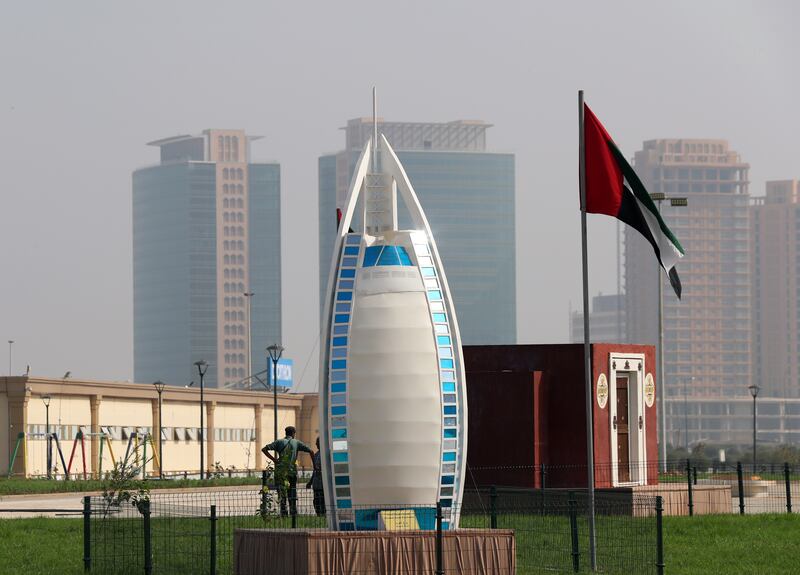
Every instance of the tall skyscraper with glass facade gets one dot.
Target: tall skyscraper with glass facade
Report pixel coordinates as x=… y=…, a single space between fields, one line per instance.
x=707 y=335
x=206 y=231
x=467 y=193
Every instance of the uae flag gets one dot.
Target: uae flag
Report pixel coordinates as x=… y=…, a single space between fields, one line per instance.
x=614 y=189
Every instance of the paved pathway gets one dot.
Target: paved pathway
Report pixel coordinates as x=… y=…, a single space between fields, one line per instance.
x=241 y=500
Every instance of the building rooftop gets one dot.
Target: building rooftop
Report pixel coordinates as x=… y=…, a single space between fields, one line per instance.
x=457 y=135
x=692 y=151
x=199 y=147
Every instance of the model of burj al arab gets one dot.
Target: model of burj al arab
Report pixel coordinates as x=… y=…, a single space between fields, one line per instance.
x=393 y=412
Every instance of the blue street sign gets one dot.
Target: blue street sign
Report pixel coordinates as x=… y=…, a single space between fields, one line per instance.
x=284 y=372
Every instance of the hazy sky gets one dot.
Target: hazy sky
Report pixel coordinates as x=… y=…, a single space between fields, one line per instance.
x=86 y=84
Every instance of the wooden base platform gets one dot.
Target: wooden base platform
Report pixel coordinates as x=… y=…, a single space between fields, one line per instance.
x=707 y=499
x=322 y=552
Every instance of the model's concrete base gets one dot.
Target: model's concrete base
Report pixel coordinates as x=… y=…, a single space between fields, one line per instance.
x=634 y=500
x=706 y=498
x=322 y=552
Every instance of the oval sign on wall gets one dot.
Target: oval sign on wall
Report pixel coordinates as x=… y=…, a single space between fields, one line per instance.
x=649 y=390
x=602 y=391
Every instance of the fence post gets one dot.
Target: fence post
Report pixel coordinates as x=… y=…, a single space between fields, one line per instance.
x=543 y=472
x=694 y=474
x=788 y=487
x=659 y=535
x=740 y=480
x=148 y=544
x=573 y=529
x=293 y=506
x=493 y=506
x=689 y=486
x=263 y=507
x=87 y=533
x=439 y=554
x=213 y=569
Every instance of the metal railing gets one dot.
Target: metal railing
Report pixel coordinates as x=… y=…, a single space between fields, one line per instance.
x=518 y=529
x=688 y=487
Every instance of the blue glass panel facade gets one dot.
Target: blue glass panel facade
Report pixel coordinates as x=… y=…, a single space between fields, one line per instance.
x=371 y=255
x=383 y=255
x=389 y=257
x=174 y=271
x=265 y=257
x=326 y=170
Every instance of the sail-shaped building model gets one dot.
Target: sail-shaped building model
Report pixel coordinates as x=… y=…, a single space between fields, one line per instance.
x=393 y=411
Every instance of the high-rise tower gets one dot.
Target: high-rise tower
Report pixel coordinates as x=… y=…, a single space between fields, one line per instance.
x=206 y=230
x=707 y=335
x=776 y=289
x=468 y=194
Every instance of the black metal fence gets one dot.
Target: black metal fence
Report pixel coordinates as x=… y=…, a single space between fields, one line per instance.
x=688 y=487
x=743 y=488
x=193 y=532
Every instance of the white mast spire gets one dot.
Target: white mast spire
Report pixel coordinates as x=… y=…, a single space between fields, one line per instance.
x=374 y=129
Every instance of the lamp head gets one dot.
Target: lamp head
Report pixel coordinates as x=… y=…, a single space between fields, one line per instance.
x=275 y=351
x=46 y=400
x=202 y=366
x=754 y=389
x=159 y=385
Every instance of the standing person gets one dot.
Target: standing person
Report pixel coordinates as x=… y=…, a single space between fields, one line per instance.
x=286 y=467
x=316 y=483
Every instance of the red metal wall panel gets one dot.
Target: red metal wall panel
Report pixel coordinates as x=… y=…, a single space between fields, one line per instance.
x=503 y=446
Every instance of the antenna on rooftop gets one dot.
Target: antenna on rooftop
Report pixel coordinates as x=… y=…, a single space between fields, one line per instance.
x=374 y=129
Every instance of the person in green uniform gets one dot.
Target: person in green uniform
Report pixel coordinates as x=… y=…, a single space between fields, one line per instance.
x=285 y=462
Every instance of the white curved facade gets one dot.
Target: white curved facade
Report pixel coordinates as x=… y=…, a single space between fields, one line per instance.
x=393 y=403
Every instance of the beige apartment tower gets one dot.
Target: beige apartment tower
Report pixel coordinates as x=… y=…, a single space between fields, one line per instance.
x=776 y=281
x=707 y=335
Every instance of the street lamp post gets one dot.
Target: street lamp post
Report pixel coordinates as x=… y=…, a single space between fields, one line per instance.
x=159 y=385
x=248 y=295
x=662 y=411
x=685 y=418
x=46 y=401
x=202 y=367
x=275 y=351
x=754 y=389
x=10 y=343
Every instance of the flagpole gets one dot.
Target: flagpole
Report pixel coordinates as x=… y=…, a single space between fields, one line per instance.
x=587 y=362
x=661 y=411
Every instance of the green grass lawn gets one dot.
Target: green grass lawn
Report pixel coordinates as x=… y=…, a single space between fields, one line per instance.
x=728 y=544
x=732 y=544
x=41 y=546
x=18 y=486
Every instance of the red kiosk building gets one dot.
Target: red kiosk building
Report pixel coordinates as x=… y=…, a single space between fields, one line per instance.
x=527 y=415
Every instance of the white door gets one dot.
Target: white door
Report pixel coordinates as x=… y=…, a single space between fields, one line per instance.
x=626 y=404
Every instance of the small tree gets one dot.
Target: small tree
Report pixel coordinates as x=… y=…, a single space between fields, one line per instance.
x=122 y=486
x=267 y=507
